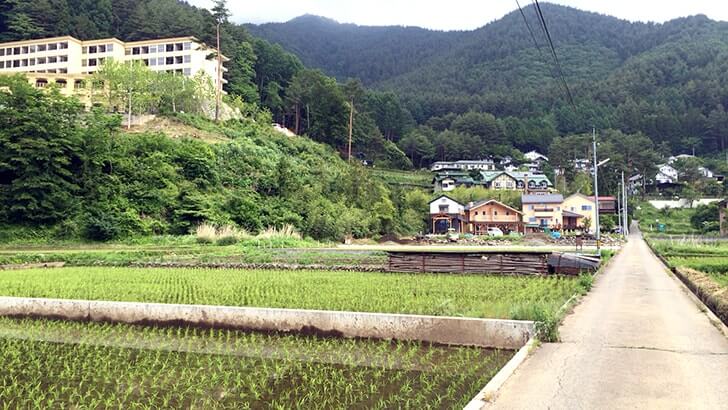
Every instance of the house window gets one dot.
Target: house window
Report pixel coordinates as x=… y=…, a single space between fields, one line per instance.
x=145 y=50
x=63 y=70
x=2 y=52
x=109 y=48
x=92 y=62
x=187 y=59
x=178 y=60
x=52 y=60
x=153 y=62
x=63 y=59
x=532 y=219
x=16 y=63
x=586 y=208
x=84 y=50
x=25 y=49
x=16 y=50
x=508 y=213
x=188 y=46
x=476 y=213
x=179 y=47
x=169 y=48
x=187 y=72
x=84 y=62
x=160 y=61
x=2 y=64
x=24 y=62
x=495 y=213
x=136 y=51
x=41 y=60
x=52 y=47
x=63 y=45
x=41 y=48
x=152 y=49
x=444 y=209
x=102 y=48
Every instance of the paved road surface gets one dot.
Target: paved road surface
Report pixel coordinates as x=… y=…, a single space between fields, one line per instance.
x=637 y=341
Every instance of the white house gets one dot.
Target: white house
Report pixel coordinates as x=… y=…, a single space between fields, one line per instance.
x=534 y=156
x=666 y=174
x=445 y=214
x=465 y=165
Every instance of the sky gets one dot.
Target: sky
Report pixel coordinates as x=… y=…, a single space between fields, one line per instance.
x=455 y=14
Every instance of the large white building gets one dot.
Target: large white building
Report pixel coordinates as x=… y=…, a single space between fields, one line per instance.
x=67 y=61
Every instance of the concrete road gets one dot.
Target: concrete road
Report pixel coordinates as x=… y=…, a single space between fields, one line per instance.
x=637 y=341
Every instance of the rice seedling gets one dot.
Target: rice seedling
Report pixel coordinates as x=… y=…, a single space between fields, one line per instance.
x=431 y=294
x=78 y=365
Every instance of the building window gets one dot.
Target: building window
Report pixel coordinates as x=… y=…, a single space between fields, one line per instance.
x=41 y=60
x=42 y=47
x=153 y=62
x=178 y=60
x=109 y=48
x=187 y=71
x=79 y=84
x=84 y=50
x=25 y=50
x=444 y=209
x=136 y=51
x=63 y=45
x=152 y=49
x=187 y=59
x=16 y=63
x=84 y=63
x=102 y=48
x=41 y=83
x=92 y=62
x=24 y=62
x=170 y=60
x=2 y=52
x=101 y=60
x=169 y=48
x=127 y=52
x=52 y=60
x=52 y=47
x=62 y=83
x=586 y=208
x=179 y=47
x=145 y=50
x=531 y=207
x=532 y=219
x=145 y=62
x=2 y=64
x=188 y=46
x=160 y=61
x=63 y=59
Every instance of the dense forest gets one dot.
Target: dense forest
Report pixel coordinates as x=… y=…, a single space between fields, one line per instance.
x=668 y=81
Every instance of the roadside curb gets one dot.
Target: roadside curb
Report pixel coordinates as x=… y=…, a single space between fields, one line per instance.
x=486 y=396
x=687 y=287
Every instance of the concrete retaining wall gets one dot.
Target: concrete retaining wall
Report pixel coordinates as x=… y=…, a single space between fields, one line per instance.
x=493 y=333
x=682 y=203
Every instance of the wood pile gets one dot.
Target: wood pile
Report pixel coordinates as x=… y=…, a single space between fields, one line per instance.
x=532 y=263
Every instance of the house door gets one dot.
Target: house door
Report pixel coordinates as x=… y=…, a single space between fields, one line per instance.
x=441 y=226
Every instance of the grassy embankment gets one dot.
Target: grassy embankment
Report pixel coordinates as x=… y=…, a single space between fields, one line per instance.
x=676 y=221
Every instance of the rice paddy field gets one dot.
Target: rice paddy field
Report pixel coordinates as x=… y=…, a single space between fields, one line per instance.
x=507 y=297
x=708 y=257
x=54 y=364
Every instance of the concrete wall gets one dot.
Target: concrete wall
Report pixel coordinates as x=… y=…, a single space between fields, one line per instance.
x=682 y=203
x=493 y=333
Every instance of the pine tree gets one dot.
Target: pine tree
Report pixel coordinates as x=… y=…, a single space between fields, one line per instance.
x=220 y=11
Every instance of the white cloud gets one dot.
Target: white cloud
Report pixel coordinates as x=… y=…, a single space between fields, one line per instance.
x=454 y=14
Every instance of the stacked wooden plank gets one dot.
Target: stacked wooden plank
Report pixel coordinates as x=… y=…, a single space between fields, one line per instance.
x=533 y=263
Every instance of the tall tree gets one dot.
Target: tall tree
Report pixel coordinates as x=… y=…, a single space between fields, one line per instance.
x=353 y=90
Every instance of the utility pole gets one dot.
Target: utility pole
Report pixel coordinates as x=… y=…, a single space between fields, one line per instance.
x=218 y=93
x=619 y=209
x=596 y=186
x=351 y=125
x=624 y=207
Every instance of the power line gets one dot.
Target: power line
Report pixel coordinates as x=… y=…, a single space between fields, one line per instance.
x=530 y=30
x=545 y=28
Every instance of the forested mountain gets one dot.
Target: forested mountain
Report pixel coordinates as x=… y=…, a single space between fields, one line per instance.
x=668 y=80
